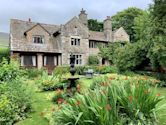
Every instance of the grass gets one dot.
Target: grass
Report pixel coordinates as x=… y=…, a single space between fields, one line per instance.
x=162 y=112
x=42 y=102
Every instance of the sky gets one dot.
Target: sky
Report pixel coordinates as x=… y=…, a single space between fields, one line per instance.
x=61 y=11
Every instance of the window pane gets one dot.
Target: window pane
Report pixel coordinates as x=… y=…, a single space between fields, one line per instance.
x=38 y=39
x=50 y=61
x=28 y=61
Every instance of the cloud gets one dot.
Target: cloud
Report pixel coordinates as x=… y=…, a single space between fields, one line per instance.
x=60 y=11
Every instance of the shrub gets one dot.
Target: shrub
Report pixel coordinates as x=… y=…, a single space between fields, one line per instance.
x=157 y=53
x=4 y=53
x=93 y=60
x=61 y=96
x=33 y=72
x=131 y=56
x=80 y=69
x=15 y=102
x=61 y=70
x=47 y=82
x=106 y=69
x=9 y=71
x=111 y=103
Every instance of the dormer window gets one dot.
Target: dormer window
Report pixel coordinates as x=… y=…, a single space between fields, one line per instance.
x=75 y=41
x=38 y=39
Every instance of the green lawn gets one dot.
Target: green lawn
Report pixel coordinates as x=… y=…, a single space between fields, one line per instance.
x=162 y=113
x=42 y=102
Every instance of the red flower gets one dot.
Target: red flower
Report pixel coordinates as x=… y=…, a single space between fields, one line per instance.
x=78 y=88
x=126 y=78
x=60 y=101
x=65 y=102
x=158 y=94
x=145 y=77
x=155 y=81
x=104 y=84
x=108 y=107
x=78 y=102
x=111 y=78
x=130 y=98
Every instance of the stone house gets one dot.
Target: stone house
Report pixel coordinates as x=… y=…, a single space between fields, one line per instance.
x=45 y=45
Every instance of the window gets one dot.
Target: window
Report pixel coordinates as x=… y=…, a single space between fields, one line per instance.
x=38 y=39
x=28 y=60
x=75 y=41
x=50 y=60
x=92 y=44
x=78 y=59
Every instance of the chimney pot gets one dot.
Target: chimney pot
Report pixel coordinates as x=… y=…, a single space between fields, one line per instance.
x=29 y=19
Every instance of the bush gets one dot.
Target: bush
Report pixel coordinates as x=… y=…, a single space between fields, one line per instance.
x=157 y=53
x=131 y=56
x=106 y=69
x=47 y=82
x=61 y=70
x=112 y=102
x=4 y=53
x=15 y=102
x=61 y=96
x=9 y=71
x=80 y=70
x=93 y=60
x=33 y=72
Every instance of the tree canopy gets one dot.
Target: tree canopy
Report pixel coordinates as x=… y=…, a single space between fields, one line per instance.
x=125 y=19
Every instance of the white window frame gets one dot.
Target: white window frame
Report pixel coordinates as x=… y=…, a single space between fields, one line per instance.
x=38 y=36
x=75 y=41
x=78 y=59
x=34 y=62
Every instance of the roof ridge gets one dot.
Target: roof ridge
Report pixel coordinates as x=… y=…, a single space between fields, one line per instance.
x=34 y=22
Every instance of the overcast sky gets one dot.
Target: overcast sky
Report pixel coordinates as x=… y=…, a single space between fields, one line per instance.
x=60 y=11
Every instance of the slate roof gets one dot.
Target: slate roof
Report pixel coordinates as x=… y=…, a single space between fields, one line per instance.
x=98 y=36
x=18 y=41
x=20 y=27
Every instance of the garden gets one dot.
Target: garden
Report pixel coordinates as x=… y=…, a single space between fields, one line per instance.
x=31 y=96
x=129 y=91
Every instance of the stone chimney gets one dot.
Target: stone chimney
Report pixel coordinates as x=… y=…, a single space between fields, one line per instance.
x=108 y=28
x=83 y=17
x=29 y=19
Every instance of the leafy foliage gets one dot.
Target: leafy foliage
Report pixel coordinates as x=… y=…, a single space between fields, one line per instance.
x=94 y=25
x=125 y=19
x=157 y=53
x=9 y=71
x=142 y=26
x=33 y=72
x=15 y=102
x=4 y=53
x=93 y=60
x=131 y=56
x=110 y=103
x=108 y=53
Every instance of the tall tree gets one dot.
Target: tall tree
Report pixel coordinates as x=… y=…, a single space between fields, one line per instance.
x=95 y=25
x=125 y=19
x=142 y=27
x=157 y=52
